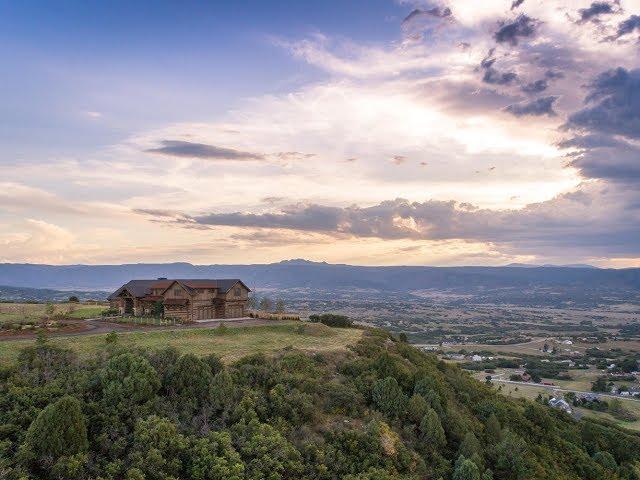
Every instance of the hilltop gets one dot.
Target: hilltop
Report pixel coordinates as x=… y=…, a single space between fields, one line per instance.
x=378 y=409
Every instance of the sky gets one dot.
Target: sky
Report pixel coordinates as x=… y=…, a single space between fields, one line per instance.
x=362 y=132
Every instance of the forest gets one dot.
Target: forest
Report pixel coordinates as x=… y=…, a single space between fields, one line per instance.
x=379 y=410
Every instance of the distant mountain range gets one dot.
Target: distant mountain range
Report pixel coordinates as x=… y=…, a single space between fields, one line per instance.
x=548 y=265
x=300 y=273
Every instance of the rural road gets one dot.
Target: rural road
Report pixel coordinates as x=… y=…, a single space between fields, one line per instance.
x=93 y=326
x=560 y=389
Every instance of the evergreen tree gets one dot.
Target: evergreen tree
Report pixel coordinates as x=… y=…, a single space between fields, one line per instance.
x=60 y=429
x=466 y=470
x=190 y=379
x=214 y=362
x=470 y=446
x=431 y=429
x=511 y=457
x=487 y=475
x=493 y=430
x=128 y=379
x=606 y=460
x=388 y=397
x=417 y=408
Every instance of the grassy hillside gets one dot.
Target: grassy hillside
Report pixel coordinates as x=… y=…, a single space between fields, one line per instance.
x=230 y=343
x=377 y=410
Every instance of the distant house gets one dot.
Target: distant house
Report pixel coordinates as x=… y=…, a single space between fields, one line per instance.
x=187 y=300
x=561 y=403
x=454 y=356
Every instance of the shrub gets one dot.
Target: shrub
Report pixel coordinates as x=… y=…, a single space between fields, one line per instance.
x=332 y=320
x=60 y=429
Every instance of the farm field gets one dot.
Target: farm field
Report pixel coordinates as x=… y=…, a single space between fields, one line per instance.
x=232 y=343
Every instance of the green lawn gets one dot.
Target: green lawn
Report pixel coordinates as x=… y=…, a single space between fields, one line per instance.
x=235 y=343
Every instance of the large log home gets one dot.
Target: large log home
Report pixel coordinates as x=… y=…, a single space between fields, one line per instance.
x=187 y=300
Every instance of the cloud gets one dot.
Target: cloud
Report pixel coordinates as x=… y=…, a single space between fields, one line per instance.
x=293 y=156
x=539 y=106
x=36 y=240
x=614 y=101
x=604 y=157
x=594 y=10
x=553 y=75
x=272 y=199
x=535 y=87
x=364 y=61
x=511 y=32
x=492 y=75
x=277 y=238
x=184 y=149
x=628 y=26
x=16 y=196
x=593 y=217
x=438 y=12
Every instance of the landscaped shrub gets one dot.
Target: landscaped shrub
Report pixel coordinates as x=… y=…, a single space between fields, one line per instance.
x=332 y=320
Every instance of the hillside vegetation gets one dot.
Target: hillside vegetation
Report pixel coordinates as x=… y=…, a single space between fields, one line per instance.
x=379 y=410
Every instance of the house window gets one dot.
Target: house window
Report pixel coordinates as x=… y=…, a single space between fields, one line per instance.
x=176 y=292
x=237 y=292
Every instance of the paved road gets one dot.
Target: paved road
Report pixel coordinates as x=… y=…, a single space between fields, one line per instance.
x=560 y=389
x=93 y=326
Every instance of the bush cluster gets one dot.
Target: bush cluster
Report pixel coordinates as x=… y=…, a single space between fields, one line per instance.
x=332 y=320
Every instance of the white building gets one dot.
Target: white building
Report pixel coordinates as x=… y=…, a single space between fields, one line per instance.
x=561 y=403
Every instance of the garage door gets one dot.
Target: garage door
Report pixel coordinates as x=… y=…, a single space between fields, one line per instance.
x=204 y=313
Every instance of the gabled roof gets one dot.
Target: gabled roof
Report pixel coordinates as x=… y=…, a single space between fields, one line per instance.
x=137 y=288
x=141 y=288
x=227 y=284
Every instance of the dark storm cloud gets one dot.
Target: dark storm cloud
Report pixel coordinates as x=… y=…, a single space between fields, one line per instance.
x=604 y=157
x=594 y=10
x=535 y=87
x=591 y=141
x=511 y=32
x=537 y=107
x=495 y=77
x=614 y=105
x=516 y=3
x=180 y=148
x=492 y=75
x=628 y=26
